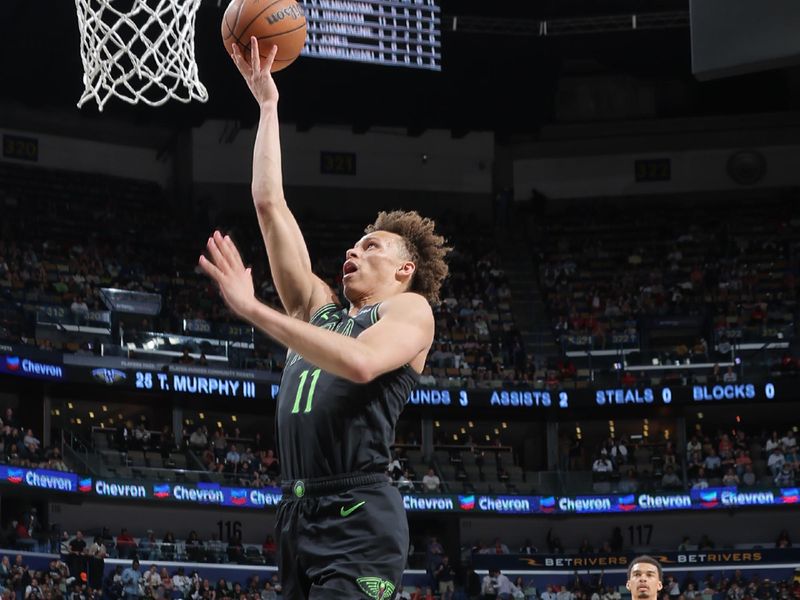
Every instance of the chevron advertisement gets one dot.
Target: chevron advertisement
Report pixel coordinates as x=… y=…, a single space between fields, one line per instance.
x=39 y=478
x=238 y=497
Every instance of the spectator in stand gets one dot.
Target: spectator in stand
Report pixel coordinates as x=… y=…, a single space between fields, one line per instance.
x=181 y=582
x=445 y=577
x=748 y=476
x=628 y=483
x=141 y=435
x=199 y=438
x=269 y=549
x=712 y=464
x=742 y=461
x=497 y=548
x=730 y=478
x=693 y=446
x=729 y=376
x=776 y=461
x=430 y=482
x=77 y=558
x=235 y=548
x=151 y=580
x=185 y=358
x=773 y=442
x=405 y=483
x=126 y=545
x=168 y=546
x=149 y=547
x=220 y=445
x=788 y=441
x=783 y=541
x=394 y=469
x=528 y=547
x=166 y=444
x=619 y=453
x=705 y=543
x=194 y=547
x=548 y=594
x=97 y=560
x=601 y=470
x=700 y=482
x=785 y=476
x=232 y=458
x=670 y=479
x=131 y=580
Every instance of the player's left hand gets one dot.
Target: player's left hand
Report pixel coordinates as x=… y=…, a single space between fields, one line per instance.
x=226 y=268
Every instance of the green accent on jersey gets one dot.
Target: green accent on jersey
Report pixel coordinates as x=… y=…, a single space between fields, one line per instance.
x=346 y=512
x=373 y=314
x=299 y=489
x=314 y=377
x=321 y=311
x=346 y=327
x=376 y=588
x=303 y=376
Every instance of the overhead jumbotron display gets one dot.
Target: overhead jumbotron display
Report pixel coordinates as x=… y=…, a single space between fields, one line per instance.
x=401 y=33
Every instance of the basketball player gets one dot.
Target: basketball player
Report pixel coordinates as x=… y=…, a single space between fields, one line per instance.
x=644 y=578
x=341 y=527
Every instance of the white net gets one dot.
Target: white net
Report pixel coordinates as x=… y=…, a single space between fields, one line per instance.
x=139 y=51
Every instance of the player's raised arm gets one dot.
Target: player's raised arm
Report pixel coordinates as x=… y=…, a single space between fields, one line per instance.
x=300 y=291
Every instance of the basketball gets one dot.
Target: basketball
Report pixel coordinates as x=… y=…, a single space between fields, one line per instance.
x=279 y=23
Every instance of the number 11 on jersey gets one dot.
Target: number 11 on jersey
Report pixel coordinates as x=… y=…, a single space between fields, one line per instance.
x=303 y=376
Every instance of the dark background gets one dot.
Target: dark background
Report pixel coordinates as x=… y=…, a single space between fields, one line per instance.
x=497 y=72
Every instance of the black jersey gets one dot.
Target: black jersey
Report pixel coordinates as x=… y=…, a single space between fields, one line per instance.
x=326 y=425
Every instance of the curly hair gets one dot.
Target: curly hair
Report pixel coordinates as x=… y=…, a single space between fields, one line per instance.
x=426 y=249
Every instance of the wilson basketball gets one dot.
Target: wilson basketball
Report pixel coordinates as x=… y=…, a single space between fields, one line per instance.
x=279 y=23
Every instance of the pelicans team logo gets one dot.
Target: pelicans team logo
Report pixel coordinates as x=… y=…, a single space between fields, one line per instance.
x=108 y=376
x=627 y=503
x=376 y=588
x=238 y=497
x=14 y=475
x=548 y=504
x=790 y=495
x=85 y=485
x=161 y=491
x=708 y=499
x=466 y=502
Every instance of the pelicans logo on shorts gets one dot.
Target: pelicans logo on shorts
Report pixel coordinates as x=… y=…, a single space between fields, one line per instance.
x=376 y=588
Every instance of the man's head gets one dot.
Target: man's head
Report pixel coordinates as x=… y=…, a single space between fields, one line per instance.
x=400 y=252
x=644 y=578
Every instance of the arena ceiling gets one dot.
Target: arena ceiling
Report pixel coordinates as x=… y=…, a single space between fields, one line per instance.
x=498 y=73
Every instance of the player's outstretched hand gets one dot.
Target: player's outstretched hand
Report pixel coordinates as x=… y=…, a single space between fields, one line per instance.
x=226 y=268
x=258 y=75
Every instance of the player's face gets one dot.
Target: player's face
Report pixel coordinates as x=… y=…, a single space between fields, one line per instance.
x=644 y=583
x=376 y=259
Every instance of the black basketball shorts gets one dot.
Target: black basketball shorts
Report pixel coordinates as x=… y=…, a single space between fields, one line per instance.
x=342 y=538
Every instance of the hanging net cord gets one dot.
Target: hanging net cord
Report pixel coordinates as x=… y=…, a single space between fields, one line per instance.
x=142 y=54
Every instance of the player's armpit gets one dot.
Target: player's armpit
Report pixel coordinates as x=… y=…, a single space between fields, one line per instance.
x=404 y=330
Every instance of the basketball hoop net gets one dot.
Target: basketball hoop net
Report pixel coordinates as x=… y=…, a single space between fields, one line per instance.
x=140 y=52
